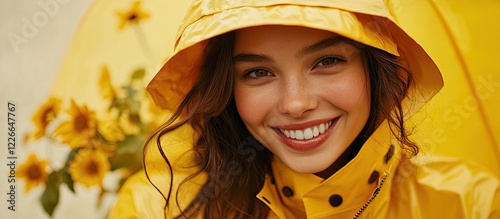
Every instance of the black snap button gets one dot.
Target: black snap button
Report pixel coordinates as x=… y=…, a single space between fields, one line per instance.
x=287 y=191
x=373 y=177
x=335 y=200
x=389 y=154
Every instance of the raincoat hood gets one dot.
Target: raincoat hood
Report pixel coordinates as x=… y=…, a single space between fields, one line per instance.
x=367 y=22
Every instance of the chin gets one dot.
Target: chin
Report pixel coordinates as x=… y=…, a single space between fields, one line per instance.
x=307 y=166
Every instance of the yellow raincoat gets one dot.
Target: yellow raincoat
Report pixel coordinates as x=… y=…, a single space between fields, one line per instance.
x=377 y=183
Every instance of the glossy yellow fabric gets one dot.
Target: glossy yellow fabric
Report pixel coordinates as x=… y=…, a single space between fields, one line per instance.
x=425 y=187
x=462 y=38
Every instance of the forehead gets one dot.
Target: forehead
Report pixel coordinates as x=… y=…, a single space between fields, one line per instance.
x=262 y=37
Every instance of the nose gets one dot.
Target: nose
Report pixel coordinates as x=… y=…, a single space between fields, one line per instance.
x=297 y=97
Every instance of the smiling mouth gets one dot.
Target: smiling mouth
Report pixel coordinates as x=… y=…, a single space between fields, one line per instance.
x=308 y=133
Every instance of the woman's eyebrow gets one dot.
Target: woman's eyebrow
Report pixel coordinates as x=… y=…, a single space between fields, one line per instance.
x=320 y=45
x=251 y=57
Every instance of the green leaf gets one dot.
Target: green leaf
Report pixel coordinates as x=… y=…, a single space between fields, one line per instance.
x=131 y=143
x=66 y=179
x=138 y=74
x=50 y=196
x=128 y=153
x=63 y=175
x=70 y=157
x=131 y=91
x=130 y=161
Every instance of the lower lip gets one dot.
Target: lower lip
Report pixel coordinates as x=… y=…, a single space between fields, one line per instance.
x=310 y=144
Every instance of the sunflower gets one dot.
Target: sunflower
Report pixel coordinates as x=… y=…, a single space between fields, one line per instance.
x=47 y=112
x=89 y=167
x=109 y=148
x=105 y=86
x=130 y=123
x=133 y=15
x=33 y=172
x=80 y=129
x=111 y=130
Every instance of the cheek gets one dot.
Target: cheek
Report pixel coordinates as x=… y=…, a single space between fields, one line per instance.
x=252 y=105
x=360 y=91
x=360 y=96
x=351 y=93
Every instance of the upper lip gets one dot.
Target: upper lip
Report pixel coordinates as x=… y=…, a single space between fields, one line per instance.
x=303 y=125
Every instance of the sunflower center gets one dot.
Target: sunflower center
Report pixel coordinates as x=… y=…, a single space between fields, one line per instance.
x=92 y=168
x=132 y=17
x=80 y=123
x=34 y=172
x=134 y=118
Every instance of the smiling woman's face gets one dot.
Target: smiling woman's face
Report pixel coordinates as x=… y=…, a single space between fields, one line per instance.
x=303 y=93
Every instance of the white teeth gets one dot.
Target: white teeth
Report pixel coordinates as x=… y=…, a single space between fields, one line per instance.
x=321 y=128
x=299 y=135
x=315 y=131
x=307 y=133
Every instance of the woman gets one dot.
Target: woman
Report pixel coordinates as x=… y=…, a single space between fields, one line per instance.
x=297 y=110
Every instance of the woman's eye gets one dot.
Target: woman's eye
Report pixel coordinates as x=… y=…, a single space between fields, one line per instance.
x=258 y=73
x=328 y=61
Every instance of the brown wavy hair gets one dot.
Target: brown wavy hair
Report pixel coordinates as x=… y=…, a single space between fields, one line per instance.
x=236 y=164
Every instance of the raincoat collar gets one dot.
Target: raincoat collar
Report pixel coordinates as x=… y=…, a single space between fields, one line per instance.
x=343 y=195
